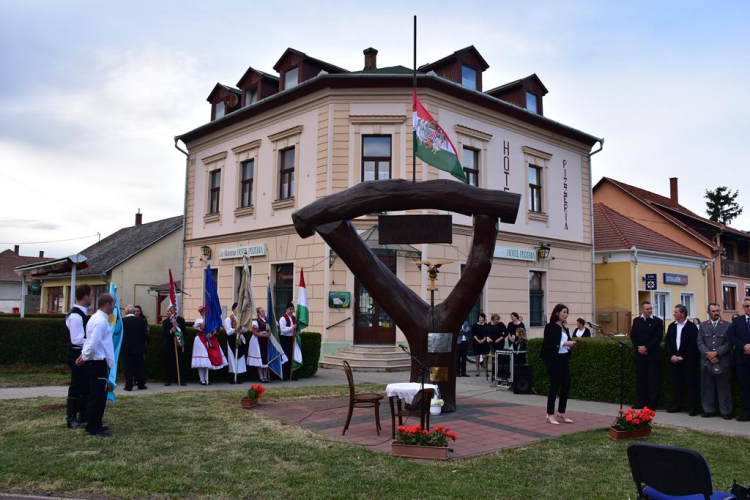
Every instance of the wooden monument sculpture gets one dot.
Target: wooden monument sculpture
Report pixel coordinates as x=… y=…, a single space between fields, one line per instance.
x=430 y=331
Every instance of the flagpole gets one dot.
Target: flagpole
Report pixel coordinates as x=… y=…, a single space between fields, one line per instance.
x=414 y=93
x=177 y=361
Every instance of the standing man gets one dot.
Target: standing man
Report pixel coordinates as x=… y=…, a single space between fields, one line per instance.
x=682 y=350
x=739 y=334
x=134 y=343
x=716 y=360
x=288 y=328
x=98 y=355
x=646 y=335
x=75 y=324
x=173 y=329
x=462 y=349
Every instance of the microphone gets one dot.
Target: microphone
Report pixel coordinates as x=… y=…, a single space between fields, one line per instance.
x=593 y=325
x=404 y=348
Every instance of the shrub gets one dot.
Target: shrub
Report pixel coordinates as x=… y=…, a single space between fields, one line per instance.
x=311 y=342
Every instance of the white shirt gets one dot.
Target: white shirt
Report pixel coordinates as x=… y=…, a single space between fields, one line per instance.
x=579 y=333
x=678 y=339
x=287 y=330
x=228 y=326
x=198 y=325
x=98 y=345
x=74 y=322
x=563 y=348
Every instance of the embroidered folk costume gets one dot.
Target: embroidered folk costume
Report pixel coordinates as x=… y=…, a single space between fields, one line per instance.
x=207 y=355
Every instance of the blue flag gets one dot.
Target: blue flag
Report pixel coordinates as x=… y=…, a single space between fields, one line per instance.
x=115 y=326
x=276 y=356
x=212 y=307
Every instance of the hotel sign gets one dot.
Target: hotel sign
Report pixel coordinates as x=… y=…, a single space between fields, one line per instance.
x=515 y=254
x=238 y=252
x=675 y=279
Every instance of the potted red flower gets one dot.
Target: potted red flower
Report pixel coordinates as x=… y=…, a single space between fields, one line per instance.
x=632 y=423
x=254 y=393
x=415 y=442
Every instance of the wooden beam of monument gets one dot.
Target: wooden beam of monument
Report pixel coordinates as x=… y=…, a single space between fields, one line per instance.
x=399 y=194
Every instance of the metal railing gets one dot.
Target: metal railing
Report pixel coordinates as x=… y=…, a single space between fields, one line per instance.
x=734 y=268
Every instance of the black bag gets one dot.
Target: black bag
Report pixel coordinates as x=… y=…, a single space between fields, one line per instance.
x=740 y=492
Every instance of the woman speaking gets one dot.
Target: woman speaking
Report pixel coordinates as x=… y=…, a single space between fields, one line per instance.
x=556 y=355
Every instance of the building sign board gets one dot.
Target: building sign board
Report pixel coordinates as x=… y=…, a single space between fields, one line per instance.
x=406 y=229
x=238 y=252
x=675 y=279
x=339 y=300
x=515 y=253
x=650 y=280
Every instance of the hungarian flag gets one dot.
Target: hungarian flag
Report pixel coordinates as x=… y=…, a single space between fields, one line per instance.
x=432 y=145
x=302 y=319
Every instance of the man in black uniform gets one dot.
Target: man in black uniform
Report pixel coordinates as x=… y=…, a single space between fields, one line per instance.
x=646 y=335
x=75 y=324
x=173 y=350
x=134 y=342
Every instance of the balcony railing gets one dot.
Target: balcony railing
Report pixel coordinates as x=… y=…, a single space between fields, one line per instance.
x=734 y=268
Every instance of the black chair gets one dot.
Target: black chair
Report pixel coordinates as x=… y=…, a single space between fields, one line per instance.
x=668 y=473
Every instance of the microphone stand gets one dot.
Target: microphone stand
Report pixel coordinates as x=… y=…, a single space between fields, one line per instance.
x=423 y=370
x=623 y=345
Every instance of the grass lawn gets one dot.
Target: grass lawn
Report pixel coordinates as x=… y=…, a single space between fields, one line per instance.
x=202 y=445
x=32 y=376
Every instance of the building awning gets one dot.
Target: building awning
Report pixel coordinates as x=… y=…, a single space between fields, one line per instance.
x=371 y=239
x=64 y=265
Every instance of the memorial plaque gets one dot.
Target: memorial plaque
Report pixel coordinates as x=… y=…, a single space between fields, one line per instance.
x=439 y=342
x=406 y=229
x=439 y=374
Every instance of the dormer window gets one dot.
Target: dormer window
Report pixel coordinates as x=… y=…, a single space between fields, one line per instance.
x=469 y=77
x=220 y=110
x=532 y=102
x=251 y=95
x=291 y=78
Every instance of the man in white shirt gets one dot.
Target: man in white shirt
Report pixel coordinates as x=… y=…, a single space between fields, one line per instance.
x=681 y=343
x=287 y=329
x=98 y=357
x=75 y=324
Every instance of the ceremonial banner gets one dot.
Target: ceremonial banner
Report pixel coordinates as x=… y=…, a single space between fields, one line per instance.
x=276 y=356
x=115 y=326
x=173 y=303
x=432 y=145
x=212 y=305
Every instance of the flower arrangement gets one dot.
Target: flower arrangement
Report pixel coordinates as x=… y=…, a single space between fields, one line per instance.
x=633 y=419
x=437 y=402
x=415 y=435
x=256 y=391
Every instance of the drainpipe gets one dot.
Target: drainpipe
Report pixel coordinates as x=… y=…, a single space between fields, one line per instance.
x=591 y=210
x=184 y=222
x=635 y=280
x=705 y=276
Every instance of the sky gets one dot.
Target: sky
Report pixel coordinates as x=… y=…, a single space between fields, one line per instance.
x=92 y=94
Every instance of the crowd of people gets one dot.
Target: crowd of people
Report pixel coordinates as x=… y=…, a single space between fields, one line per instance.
x=489 y=338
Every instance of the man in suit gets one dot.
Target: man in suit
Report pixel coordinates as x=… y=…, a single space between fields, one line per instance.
x=134 y=342
x=739 y=335
x=716 y=350
x=646 y=335
x=173 y=329
x=682 y=350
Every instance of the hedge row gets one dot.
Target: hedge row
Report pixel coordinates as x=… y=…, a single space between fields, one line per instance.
x=595 y=373
x=38 y=341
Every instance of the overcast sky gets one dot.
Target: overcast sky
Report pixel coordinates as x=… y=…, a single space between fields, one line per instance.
x=93 y=93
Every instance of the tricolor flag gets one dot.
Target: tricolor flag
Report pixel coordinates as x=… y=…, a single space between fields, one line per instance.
x=115 y=326
x=173 y=303
x=302 y=320
x=432 y=145
x=276 y=356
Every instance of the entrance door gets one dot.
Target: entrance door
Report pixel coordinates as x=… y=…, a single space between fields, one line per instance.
x=371 y=323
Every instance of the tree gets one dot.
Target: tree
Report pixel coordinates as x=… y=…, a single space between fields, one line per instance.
x=721 y=205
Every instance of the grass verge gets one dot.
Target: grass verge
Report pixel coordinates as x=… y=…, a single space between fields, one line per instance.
x=33 y=376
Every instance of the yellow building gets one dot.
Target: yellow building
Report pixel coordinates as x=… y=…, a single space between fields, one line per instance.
x=634 y=263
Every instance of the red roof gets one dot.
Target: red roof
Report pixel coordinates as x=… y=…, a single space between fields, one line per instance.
x=10 y=260
x=614 y=231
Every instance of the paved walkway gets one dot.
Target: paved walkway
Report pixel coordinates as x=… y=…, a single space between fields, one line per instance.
x=473 y=387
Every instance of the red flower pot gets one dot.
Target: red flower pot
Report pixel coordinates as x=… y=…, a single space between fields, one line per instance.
x=629 y=434
x=248 y=403
x=421 y=452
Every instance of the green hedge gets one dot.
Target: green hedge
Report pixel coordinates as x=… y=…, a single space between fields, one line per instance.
x=595 y=373
x=37 y=341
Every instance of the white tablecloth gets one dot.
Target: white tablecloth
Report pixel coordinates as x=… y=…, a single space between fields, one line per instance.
x=407 y=390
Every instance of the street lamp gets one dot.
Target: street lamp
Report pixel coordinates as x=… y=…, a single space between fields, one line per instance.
x=543 y=251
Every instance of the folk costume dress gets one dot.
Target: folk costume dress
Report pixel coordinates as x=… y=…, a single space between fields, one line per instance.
x=205 y=356
x=258 y=350
x=233 y=329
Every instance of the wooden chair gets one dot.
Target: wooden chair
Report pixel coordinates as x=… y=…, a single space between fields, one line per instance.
x=361 y=401
x=419 y=407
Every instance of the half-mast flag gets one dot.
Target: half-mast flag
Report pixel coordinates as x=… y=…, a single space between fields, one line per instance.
x=302 y=320
x=432 y=145
x=115 y=326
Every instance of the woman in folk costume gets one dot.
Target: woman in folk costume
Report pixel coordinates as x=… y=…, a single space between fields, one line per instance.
x=207 y=355
x=258 y=350
x=233 y=329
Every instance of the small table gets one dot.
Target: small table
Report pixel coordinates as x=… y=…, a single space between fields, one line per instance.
x=405 y=391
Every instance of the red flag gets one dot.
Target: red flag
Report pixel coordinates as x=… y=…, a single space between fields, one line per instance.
x=172 y=295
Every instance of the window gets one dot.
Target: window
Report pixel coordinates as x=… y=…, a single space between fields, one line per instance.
x=214 y=189
x=532 y=102
x=246 y=183
x=535 y=189
x=536 y=298
x=286 y=173
x=54 y=299
x=251 y=95
x=688 y=300
x=376 y=157
x=291 y=78
x=471 y=166
x=220 y=110
x=469 y=77
x=661 y=305
x=283 y=289
x=730 y=297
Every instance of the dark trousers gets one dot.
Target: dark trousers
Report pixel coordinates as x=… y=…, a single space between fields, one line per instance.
x=462 y=351
x=287 y=344
x=647 y=382
x=558 y=369
x=78 y=392
x=743 y=372
x=713 y=386
x=134 y=371
x=170 y=367
x=98 y=371
x=685 y=384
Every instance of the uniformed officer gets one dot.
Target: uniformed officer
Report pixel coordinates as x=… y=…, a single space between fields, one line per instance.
x=646 y=334
x=716 y=360
x=75 y=324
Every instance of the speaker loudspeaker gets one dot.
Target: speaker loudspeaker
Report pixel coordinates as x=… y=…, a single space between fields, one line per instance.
x=523 y=377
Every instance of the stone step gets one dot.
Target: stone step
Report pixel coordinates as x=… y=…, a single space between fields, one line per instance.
x=358 y=366
x=356 y=354
x=374 y=348
x=375 y=361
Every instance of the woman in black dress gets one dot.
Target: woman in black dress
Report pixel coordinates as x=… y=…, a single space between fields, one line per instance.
x=519 y=347
x=481 y=344
x=515 y=324
x=498 y=334
x=556 y=355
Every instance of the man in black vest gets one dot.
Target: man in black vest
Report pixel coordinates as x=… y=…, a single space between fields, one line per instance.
x=173 y=350
x=681 y=344
x=646 y=335
x=75 y=325
x=134 y=342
